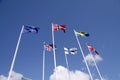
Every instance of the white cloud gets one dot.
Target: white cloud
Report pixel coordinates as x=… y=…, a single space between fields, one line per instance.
x=90 y=61
x=3 y=77
x=62 y=74
x=97 y=79
x=98 y=58
x=102 y=79
x=14 y=76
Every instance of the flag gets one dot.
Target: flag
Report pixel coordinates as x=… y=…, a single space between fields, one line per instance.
x=83 y=34
x=62 y=27
x=70 y=50
x=31 y=29
x=49 y=46
x=92 y=49
x=59 y=27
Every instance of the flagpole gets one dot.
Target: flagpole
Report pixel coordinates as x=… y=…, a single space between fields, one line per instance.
x=15 y=54
x=54 y=54
x=43 y=73
x=96 y=65
x=67 y=66
x=83 y=56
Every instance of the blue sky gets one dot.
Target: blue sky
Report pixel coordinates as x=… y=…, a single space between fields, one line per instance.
x=100 y=18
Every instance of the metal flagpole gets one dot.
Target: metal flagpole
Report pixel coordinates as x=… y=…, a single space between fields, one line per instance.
x=54 y=54
x=43 y=73
x=15 y=54
x=67 y=66
x=95 y=65
x=83 y=56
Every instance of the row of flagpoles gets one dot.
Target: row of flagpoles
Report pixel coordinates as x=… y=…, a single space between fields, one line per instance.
x=56 y=27
x=84 y=34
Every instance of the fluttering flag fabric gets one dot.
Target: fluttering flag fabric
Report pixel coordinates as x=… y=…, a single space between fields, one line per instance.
x=59 y=27
x=83 y=34
x=48 y=47
x=70 y=50
x=92 y=49
x=31 y=29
